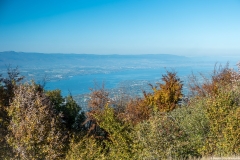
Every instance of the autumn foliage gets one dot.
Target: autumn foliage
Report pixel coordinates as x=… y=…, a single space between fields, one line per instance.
x=161 y=124
x=35 y=130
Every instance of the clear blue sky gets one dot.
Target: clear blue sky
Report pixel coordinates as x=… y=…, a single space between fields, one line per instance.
x=121 y=26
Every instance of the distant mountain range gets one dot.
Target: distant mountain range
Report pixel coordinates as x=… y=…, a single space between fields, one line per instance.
x=37 y=59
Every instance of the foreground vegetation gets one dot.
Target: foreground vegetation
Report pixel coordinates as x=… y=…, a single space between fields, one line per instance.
x=164 y=124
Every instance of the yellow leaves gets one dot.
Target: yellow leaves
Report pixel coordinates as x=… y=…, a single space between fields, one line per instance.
x=168 y=95
x=220 y=110
x=165 y=98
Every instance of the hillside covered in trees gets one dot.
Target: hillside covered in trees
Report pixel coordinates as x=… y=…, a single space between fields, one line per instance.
x=42 y=124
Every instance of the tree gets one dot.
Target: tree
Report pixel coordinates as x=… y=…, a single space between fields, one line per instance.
x=36 y=130
x=136 y=111
x=220 y=77
x=98 y=100
x=167 y=95
x=7 y=86
x=72 y=116
x=219 y=96
x=170 y=93
x=165 y=98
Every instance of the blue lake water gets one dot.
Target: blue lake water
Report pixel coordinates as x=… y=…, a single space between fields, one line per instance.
x=81 y=84
x=77 y=73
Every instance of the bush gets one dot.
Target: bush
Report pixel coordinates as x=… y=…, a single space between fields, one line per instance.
x=85 y=148
x=113 y=143
x=160 y=137
x=194 y=122
x=222 y=110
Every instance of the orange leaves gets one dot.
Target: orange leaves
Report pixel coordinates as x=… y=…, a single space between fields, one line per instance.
x=221 y=76
x=137 y=110
x=165 y=98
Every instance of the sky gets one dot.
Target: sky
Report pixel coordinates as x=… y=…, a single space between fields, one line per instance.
x=181 y=27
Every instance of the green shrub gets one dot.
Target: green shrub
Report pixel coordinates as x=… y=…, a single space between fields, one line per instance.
x=221 y=110
x=160 y=137
x=193 y=120
x=118 y=134
x=113 y=143
x=86 y=148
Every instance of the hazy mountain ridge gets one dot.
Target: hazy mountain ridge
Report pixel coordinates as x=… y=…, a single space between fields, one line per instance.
x=11 y=57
